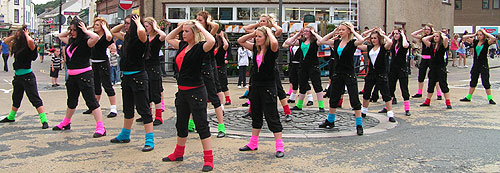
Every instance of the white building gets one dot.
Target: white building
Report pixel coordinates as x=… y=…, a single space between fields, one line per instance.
x=16 y=13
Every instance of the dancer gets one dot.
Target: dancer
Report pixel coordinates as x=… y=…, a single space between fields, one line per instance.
x=263 y=89
x=135 y=83
x=377 y=70
x=437 y=72
x=425 y=62
x=24 y=51
x=309 y=65
x=100 y=65
x=399 y=68
x=79 y=43
x=222 y=48
x=210 y=77
x=343 y=72
x=480 y=64
x=293 y=69
x=192 y=95
x=156 y=38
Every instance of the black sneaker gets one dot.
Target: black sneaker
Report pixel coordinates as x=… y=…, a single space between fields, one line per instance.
x=87 y=112
x=139 y=120
x=245 y=104
x=248 y=115
x=147 y=148
x=417 y=96
x=424 y=104
x=111 y=115
x=440 y=97
x=310 y=103
x=360 y=93
x=391 y=119
x=359 y=130
x=465 y=100
x=243 y=97
x=227 y=103
x=246 y=148
x=327 y=124
x=448 y=107
x=6 y=120
x=207 y=168
x=321 y=110
x=363 y=115
x=98 y=135
x=67 y=127
x=326 y=96
x=279 y=154
x=291 y=101
x=394 y=101
x=288 y=118
x=492 y=102
x=295 y=108
x=384 y=110
x=157 y=122
x=407 y=113
x=374 y=100
x=221 y=134
x=45 y=125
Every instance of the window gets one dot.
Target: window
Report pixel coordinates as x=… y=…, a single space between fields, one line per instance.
x=16 y=2
x=341 y=14
x=16 y=15
x=213 y=11
x=256 y=12
x=486 y=4
x=305 y=11
x=243 y=13
x=446 y=1
x=291 y=14
x=458 y=4
x=193 y=11
x=273 y=11
x=226 y=13
x=177 y=13
x=322 y=14
x=496 y=4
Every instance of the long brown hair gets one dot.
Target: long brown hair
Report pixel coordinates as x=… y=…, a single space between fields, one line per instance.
x=19 y=43
x=263 y=29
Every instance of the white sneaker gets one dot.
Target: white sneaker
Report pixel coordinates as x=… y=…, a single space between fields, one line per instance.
x=246 y=86
x=118 y=83
x=466 y=66
x=239 y=86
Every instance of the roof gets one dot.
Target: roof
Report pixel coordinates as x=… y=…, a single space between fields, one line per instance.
x=55 y=11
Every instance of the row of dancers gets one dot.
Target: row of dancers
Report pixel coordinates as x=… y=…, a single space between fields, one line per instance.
x=201 y=78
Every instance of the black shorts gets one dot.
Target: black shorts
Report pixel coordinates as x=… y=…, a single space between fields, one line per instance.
x=155 y=83
x=25 y=84
x=55 y=73
x=81 y=83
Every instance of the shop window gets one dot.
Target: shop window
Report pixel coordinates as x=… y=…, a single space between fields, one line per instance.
x=291 y=14
x=226 y=13
x=213 y=11
x=243 y=13
x=193 y=11
x=177 y=13
x=256 y=12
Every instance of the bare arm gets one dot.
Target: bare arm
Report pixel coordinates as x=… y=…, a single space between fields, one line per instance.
x=250 y=28
x=224 y=41
x=243 y=41
x=214 y=26
x=209 y=38
x=360 y=38
x=416 y=34
x=405 y=42
x=330 y=38
x=117 y=32
x=466 y=37
x=159 y=31
x=63 y=36
x=141 y=31
x=446 y=40
x=388 y=41
x=93 y=36
x=29 y=40
x=171 y=37
x=292 y=41
x=278 y=28
x=273 y=41
x=491 y=39
x=107 y=33
x=427 y=40
x=318 y=37
x=8 y=40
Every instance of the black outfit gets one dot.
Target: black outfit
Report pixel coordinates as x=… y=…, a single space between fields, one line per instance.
x=294 y=68
x=82 y=82
x=399 y=71
x=424 y=63
x=343 y=75
x=221 y=67
x=209 y=78
x=27 y=82
x=5 y=59
x=101 y=70
x=242 y=75
x=153 y=69
x=437 y=72
x=263 y=92
x=135 y=87
x=480 y=66
x=377 y=75
x=309 y=69
x=192 y=101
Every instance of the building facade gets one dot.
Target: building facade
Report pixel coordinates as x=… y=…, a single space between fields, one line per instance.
x=472 y=15
x=16 y=13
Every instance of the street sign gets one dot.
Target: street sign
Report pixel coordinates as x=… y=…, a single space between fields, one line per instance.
x=126 y=4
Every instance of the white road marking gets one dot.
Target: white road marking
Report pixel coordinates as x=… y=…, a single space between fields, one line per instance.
x=5 y=80
x=6 y=91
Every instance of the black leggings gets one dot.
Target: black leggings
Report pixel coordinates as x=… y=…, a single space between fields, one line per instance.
x=222 y=73
x=25 y=83
x=155 y=83
x=482 y=70
x=438 y=75
x=209 y=80
x=293 y=74
x=243 y=75
x=192 y=102
x=279 y=85
x=422 y=69
x=401 y=75
x=310 y=72
x=5 y=59
x=339 y=81
x=135 y=93
x=81 y=83
x=379 y=80
x=218 y=87
x=102 y=76
x=263 y=101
